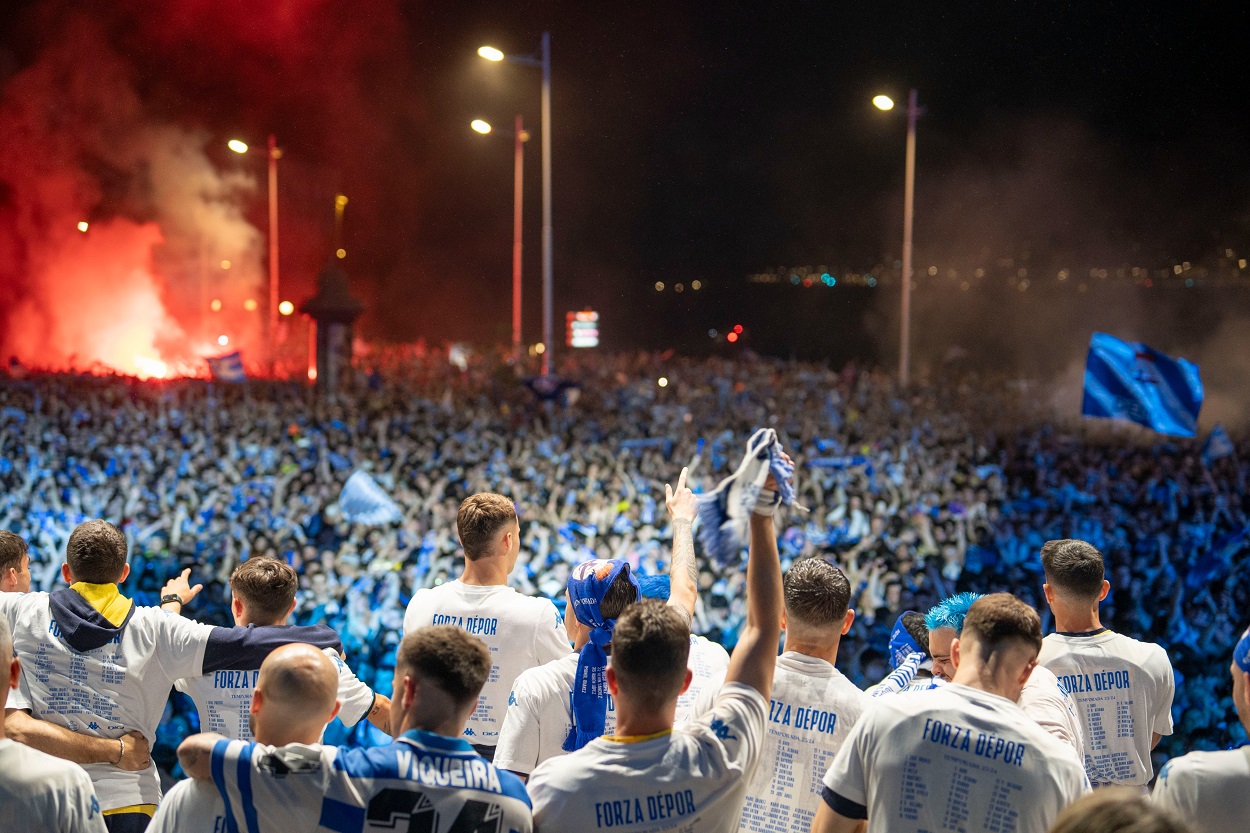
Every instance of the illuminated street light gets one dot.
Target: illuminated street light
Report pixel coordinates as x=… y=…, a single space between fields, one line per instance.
x=340 y=253
x=519 y=137
x=223 y=340
x=480 y=126
x=250 y=305
x=543 y=62
x=274 y=154
x=909 y=193
x=286 y=308
x=237 y=146
x=215 y=306
x=83 y=226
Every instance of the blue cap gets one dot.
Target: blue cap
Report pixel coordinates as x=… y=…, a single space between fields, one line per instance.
x=1241 y=654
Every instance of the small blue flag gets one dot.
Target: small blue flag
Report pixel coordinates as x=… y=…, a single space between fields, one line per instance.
x=1218 y=446
x=363 y=502
x=228 y=368
x=1131 y=381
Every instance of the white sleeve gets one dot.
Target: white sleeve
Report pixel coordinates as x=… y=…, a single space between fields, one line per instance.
x=847 y=778
x=1170 y=790
x=551 y=642
x=737 y=721
x=80 y=812
x=17 y=699
x=520 y=738
x=356 y=697
x=180 y=643
x=1161 y=720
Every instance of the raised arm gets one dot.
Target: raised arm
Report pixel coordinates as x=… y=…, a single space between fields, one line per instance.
x=683 y=572
x=129 y=752
x=196 y=753
x=755 y=656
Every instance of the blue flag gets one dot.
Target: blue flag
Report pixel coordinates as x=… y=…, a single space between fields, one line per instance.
x=228 y=368
x=1217 y=446
x=363 y=502
x=1131 y=381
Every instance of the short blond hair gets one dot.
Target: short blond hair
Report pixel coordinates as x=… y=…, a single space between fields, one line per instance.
x=479 y=520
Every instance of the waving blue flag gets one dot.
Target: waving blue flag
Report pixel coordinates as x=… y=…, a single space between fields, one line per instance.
x=1218 y=446
x=228 y=368
x=1131 y=381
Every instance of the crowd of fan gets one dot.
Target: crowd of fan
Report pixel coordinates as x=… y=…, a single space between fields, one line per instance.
x=951 y=486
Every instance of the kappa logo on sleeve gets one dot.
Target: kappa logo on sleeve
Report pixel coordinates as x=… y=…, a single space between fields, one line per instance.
x=721 y=729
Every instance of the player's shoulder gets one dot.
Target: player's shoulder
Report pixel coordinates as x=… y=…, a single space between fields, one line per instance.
x=557 y=675
x=36 y=767
x=1201 y=767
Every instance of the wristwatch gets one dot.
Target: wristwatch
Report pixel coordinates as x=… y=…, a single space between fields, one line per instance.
x=171 y=597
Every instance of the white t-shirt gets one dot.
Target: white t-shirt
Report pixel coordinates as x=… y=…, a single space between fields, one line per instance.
x=708 y=663
x=1123 y=692
x=420 y=781
x=952 y=759
x=224 y=698
x=43 y=794
x=1210 y=790
x=1044 y=700
x=520 y=631
x=190 y=806
x=812 y=710
x=108 y=691
x=692 y=779
x=16 y=699
x=540 y=715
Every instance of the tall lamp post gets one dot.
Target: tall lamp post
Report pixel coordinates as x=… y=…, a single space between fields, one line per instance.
x=519 y=138
x=909 y=191
x=542 y=61
x=274 y=153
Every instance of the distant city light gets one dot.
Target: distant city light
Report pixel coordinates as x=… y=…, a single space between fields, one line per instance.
x=286 y=308
x=737 y=328
x=225 y=264
x=696 y=285
x=480 y=126
x=340 y=253
x=312 y=373
x=250 y=305
x=83 y=225
x=223 y=340
x=237 y=146
x=677 y=287
x=490 y=53
x=712 y=333
x=1241 y=264
x=883 y=102
x=659 y=286
x=582 y=328
x=540 y=348
x=932 y=270
x=663 y=382
x=731 y=337
x=215 y=306
x=1189 y=283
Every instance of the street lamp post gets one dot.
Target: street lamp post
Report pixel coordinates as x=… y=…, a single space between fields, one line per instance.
x=542 y=61
x=518 y=176
x=274 y=153
x=909 y=192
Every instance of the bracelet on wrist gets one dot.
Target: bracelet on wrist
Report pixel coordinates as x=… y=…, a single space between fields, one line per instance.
x=171 y=597
x=121 y=751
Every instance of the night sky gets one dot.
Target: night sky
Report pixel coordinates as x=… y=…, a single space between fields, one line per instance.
x=696 y=140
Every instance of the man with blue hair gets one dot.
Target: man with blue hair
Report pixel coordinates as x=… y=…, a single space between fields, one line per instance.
x=562 y=705
x=1042 y=698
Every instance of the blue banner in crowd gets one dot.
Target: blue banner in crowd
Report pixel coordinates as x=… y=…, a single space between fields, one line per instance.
x=1131 y=381
x=228 y=368
x=1218 y=446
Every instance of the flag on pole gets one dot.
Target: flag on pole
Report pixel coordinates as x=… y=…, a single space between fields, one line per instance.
x=1132 y=381
x=228 y=368
x=1217 y=446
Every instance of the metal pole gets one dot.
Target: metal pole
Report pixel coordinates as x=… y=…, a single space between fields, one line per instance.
x=517 y=179
x=274 y=153
x=909 y=190
x=548 y=341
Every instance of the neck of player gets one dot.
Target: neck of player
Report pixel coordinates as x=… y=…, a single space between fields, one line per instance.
x=634 y=720
x=488 y=571
x=1077 y=617
x=818 y=648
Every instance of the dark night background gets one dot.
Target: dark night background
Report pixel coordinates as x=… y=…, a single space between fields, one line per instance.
x=710 y=141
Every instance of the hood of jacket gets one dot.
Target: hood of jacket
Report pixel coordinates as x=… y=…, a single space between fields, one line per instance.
x=90 y=615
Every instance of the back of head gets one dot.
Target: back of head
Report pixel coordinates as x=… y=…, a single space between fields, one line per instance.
x=96 y=552
x=1074 y=569
x=999 y=623
x=447 y=656
x=12 y=550
x=1117 y=810
x=817 y=596
x=650 y=649
x=480 y=519
x=299 y=682
x=914 y=624
x=266 y=586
